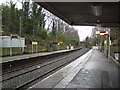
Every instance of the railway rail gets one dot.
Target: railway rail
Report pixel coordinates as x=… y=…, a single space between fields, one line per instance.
x=24 y=77
x=24 y=63
x=42 y=60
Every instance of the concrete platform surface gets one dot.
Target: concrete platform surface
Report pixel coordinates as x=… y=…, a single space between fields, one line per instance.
x=92 y=70
x=25 y=56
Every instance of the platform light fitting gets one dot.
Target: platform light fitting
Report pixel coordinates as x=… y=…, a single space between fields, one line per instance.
x=97 y=10
x=101 y=33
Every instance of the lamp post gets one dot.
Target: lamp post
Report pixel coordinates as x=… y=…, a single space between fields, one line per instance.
x=117 y=53
x=107 y=33
x=32 y=42
x=109 y=44
x=20 y=34
x=119 y=42
x=97 y=9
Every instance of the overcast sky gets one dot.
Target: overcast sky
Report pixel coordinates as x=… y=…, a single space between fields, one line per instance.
x=83 y=31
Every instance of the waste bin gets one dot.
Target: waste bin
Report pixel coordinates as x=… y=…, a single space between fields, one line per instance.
x=117 y=55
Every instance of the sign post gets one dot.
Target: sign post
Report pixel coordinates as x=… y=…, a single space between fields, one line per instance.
x=102 y=33
x=10 y=46
x=34 y=48
x=109 y=45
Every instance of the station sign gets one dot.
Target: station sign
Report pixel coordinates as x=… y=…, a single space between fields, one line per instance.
x=59 y=43
x=101 y=33
x=105 y=42
x=34 y=43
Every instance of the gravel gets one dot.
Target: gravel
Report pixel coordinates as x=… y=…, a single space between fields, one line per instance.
x=40 y=70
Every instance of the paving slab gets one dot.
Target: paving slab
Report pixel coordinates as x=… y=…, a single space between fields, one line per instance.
x=87 y=79
x=99 y=72
x=98 y=61
x=92 y=71
x=68 y=71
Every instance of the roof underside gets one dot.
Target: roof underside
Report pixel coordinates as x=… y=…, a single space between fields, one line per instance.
x=80 y=13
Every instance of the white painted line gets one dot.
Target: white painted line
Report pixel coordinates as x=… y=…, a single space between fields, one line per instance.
x=63 y=83
x=52 y=80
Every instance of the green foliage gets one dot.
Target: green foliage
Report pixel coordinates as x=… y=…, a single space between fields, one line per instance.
x=10 y=18
x=43 y=33
x=31 y=21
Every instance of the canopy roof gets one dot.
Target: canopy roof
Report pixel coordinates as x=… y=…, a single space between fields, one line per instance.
x=83 y=13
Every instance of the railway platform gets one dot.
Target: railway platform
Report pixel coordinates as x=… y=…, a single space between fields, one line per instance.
x=27 y=56
x=91 y=70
